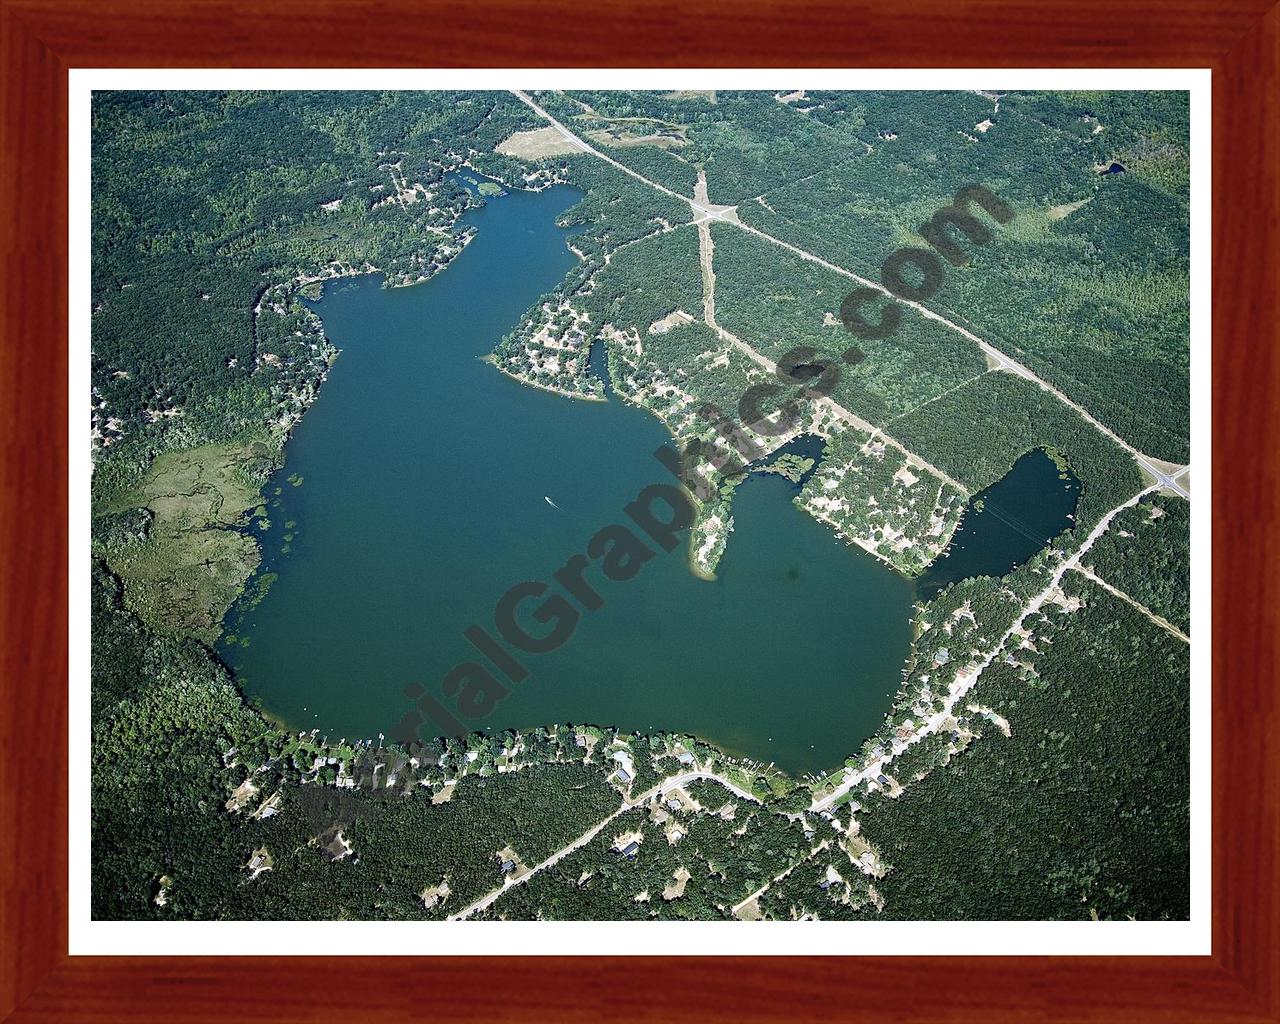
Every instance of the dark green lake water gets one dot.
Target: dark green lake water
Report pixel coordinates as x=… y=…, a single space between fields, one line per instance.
x=424 y=477
x=1007 y=523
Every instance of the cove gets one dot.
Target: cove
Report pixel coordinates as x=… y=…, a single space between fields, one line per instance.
x=1007 y=523
x=422 y=478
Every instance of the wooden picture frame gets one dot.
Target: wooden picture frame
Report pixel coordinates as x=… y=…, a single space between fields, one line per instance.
x=42 y=39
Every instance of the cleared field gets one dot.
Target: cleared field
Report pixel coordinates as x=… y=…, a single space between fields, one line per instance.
x=535 y=145
x=664 y=138
x=185 y=576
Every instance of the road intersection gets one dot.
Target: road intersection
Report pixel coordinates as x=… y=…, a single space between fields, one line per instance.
x=1165 y=475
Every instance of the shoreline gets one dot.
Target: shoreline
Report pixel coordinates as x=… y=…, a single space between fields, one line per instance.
x=736 y=756
x=856 y=542
x=690 y=552
x=492 y=360
x=697 y=570
x=331 y=273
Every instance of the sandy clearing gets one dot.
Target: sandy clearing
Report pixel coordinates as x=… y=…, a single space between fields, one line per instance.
x=674 y=319
x=675 y=889
x=536 y=144
x=435 y=895
x=1066 y=209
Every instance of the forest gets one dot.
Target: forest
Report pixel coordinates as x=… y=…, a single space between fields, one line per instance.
x=204 y=201
x=977 y=432
x=724 y=847
x=1147 y=554
x=216 y=214
x=1083 y=811
x=853 y=175
x=747 y=142
x=1088 y=285
x=778 y=301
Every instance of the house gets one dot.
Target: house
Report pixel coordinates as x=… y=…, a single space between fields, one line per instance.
x=825 y=884
x=508 y=866
x=259 y=862
x=629 y=851
x=622 y=776
x=882 y=779
x=674 y=805
x=685 y=758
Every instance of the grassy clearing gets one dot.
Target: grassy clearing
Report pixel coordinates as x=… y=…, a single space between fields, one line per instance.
x=536 y=145
x=185 y=576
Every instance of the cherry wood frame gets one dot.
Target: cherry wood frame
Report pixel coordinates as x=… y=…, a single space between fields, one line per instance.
x=41 y=39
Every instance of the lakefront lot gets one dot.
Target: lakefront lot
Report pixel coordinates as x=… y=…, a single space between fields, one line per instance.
x=397 y=614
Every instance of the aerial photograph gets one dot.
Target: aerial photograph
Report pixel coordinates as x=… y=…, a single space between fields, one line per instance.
x=680 y=505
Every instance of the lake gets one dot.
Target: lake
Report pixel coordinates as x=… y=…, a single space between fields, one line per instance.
x=1007 y=523
x=422 y=483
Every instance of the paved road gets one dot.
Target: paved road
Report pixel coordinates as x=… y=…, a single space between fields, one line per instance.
x=702 y=209
x=1166 y=478
x=962 y=685
x=1001 y=360
x=706 y=249
x=829 y=404
x=705 y=210
x=663 y=787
